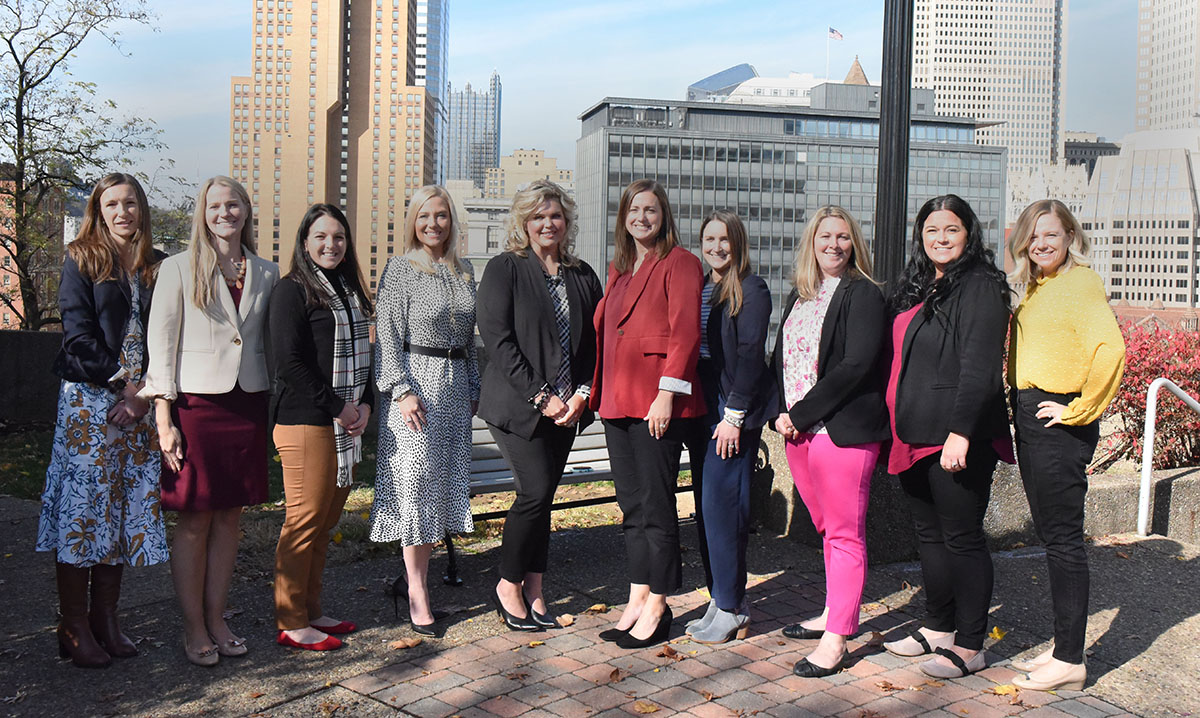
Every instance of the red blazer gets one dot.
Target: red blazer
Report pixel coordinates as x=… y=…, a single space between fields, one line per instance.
x=658 y=336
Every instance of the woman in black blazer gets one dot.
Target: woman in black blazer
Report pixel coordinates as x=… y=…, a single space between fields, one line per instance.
x=826 y=364
x=100 y=505
x=949 y=424
x=735 y=311
x=535 y=305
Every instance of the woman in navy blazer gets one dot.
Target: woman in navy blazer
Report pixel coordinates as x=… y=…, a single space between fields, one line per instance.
x=735 y=312
x=646 y=390
x=534 y=307
x=827 y=359
x=100 y=509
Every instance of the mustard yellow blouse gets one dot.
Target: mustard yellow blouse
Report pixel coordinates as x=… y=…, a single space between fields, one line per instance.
x=1065 y=340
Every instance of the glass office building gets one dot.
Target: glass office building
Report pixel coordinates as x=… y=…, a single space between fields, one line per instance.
x=474 y=135
x=773 y=166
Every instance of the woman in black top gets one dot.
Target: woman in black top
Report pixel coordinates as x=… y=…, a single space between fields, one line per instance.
x=946 y=397
x=321 y=354
x=535 y=307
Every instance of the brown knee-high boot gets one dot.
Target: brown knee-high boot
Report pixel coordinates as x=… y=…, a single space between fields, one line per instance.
x=75 y=639
x=106 y=591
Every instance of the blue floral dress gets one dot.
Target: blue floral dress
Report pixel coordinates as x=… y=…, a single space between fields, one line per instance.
x=100 y=504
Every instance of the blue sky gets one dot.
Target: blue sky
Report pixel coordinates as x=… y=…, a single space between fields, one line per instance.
x=556 y=60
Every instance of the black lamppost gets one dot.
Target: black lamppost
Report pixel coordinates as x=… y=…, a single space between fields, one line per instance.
x=891 y=198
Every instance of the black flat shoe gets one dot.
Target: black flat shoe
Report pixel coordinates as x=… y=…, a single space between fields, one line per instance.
x=545 y=620
x=661 y=631
x=798 y=631
x=515 y=623
x=612 y=634
x=804 y=669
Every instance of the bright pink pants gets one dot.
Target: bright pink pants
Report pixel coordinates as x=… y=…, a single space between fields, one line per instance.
x=834 y=483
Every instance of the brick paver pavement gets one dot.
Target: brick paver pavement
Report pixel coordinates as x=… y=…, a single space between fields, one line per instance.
x=571 y=672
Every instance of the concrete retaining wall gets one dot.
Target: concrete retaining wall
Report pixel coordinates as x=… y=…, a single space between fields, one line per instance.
x=1111 y=507
x=28 y=388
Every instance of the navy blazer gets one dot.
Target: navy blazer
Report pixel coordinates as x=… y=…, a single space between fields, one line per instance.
x=848 y=395
x=952 y=367
x=737 y=346
x=517 y=324
x=94 y=315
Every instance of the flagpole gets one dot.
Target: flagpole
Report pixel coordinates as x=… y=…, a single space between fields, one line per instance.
x=826 y=55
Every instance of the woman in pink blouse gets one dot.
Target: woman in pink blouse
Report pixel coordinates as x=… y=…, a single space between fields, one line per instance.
x=826 y=360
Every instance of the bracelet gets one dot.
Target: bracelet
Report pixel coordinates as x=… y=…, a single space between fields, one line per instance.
x=734 y=418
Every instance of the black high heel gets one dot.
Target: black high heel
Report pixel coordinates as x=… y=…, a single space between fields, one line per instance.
x=397 y=591
x=545 y=620
x=661 y=632
x=515 y=623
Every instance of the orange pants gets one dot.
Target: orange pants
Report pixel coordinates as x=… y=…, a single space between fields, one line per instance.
x=314 y=505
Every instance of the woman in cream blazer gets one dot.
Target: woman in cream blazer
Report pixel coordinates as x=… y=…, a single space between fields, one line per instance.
x=208 y=376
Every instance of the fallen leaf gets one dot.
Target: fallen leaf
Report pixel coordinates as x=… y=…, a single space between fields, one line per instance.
x=997 y=633
x=597 y=608
x=668 y=652
x=535 y=644
x=868 y=713
x=964 y=711
x=1122 y=554
x=645 y=707
x=887 y=686
x=906 y=586
x=366 y=515
x=566 y=619
x=709 y=695
x=337 y=537
x=1007 y=689
x=361 y=589
x=404 y=643
x=935 y=684
x=876 y=639
x=782 y=643
x=257 y=694
x=516 y=676
x=615 y=676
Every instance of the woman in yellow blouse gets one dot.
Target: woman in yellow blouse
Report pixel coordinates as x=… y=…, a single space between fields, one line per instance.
x=1066 y=358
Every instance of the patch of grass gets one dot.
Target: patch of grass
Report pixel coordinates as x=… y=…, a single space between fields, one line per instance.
x=24 y=456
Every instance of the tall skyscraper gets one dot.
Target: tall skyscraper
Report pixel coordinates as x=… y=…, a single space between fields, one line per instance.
x=332 y=113
x=474 y=132
x=1168 y=72
x=433 y=37
x=1001 y=62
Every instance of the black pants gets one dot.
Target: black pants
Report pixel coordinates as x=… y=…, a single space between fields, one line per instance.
x=645 y=472
x=957 y=569
x=1053 y=465
x=537 y=465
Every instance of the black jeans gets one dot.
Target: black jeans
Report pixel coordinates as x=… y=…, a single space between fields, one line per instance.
x=645 y=472
x=956 y=566
x=537 y=465
x=1053 y=465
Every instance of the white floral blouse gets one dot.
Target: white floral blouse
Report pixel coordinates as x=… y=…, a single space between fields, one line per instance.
x=801 y=345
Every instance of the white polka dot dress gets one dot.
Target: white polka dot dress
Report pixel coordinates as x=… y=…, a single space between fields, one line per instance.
x=422 y=483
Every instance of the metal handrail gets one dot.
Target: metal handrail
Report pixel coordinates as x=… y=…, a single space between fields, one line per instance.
x=1148 y=443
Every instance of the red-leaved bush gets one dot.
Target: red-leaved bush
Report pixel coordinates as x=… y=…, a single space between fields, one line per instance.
x=1152 y=351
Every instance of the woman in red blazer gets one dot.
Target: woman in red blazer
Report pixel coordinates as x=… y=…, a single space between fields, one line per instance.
x=646 y=390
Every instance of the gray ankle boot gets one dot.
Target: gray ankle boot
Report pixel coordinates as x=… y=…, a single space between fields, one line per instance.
x=699 y=623
x=724 y=626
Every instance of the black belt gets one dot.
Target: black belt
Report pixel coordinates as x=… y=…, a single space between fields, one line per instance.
x=448 y=353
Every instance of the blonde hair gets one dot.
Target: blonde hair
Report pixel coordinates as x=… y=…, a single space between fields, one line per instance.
x=1024 y=270
x=200 y=248
x=624 y=254
x=729 y=289
x=807 y=273
x=525 y=203
x=415 y=251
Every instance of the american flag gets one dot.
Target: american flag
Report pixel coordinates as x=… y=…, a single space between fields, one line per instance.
x=834 y=34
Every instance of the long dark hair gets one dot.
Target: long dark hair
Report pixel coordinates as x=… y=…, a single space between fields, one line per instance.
x=94 y=249
x=624 y=254
x=919 y=282
x=304 y=272
x=729 y=290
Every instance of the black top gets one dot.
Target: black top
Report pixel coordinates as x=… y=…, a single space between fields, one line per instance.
x=519 y=330
x=301 y=358
x=737 y=346
x=848 y=395
x=951 y=367
x=94 y=315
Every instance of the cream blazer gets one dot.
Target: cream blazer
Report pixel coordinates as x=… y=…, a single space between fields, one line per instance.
x=210 y=350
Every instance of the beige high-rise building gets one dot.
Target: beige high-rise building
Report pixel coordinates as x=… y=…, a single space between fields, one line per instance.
x=332 y=114
x=522 y=167
x=1168 y=69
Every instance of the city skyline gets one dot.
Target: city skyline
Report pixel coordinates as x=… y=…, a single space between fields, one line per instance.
x=178 y=76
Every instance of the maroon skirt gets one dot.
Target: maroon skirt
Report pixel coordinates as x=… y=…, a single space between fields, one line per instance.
x=224 y=452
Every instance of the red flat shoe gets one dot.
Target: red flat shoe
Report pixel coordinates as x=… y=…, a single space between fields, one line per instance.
x=328 y=644
x=338 y=628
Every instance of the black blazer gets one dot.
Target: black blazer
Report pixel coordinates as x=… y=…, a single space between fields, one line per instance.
x=737 y=346
x=951 y=367
x=848 y=395
x=94 y=315
x=516 y=323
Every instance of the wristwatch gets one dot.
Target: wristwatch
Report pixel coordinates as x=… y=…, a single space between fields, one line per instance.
x=117 y=385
